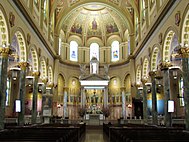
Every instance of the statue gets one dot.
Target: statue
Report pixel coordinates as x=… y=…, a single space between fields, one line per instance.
x=83 y=69
x=106 y=68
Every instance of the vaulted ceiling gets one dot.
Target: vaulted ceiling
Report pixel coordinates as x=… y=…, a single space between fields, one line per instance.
x=94 y=18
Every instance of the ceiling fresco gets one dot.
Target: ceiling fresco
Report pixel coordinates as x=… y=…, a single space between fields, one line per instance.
x=94 y=20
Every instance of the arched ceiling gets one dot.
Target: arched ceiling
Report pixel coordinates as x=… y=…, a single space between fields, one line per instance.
x=89 y=18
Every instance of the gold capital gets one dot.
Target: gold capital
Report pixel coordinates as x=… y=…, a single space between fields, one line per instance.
x=144 y=80
x=184 y=52
x=5 y=51
x=165 y=65
x=45 y=80
x=152 y=74
x=36 y=74
x=23 y=65
x=51 y=85
x=137 y=84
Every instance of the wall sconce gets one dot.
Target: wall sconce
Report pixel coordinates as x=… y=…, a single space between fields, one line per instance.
x=40 y=87
x=29 y=80
x=174 y=70
x=15 y=71
x=148 y=85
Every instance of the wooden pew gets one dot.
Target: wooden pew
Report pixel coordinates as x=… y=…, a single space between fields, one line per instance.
x=44 y=133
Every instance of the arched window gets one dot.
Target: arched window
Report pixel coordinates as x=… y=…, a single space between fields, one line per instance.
x=94 y=51
x=8 y=92
x=73 y=51
x=59 y=46
x=115 y=51
x=181 y=92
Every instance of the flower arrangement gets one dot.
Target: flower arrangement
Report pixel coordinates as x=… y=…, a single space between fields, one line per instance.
x=106 y=111
x=82 y=112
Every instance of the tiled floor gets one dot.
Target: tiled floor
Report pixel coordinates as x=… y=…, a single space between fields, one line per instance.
x=95 y=135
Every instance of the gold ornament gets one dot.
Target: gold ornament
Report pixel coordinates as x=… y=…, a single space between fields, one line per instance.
x=5 y=51
x=45 y=80
x=36 y=74
x=144 y=80
x=23 y=65
x=51 y=85
x=152 y=74
x=165 y=65
x=184 y=52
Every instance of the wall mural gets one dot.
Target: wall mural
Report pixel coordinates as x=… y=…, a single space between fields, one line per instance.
x=111 y=28
x=76 y=28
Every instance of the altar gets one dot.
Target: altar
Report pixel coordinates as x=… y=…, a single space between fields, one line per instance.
x=94 y=119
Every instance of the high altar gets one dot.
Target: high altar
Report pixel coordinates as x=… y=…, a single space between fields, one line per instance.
x=94 y=89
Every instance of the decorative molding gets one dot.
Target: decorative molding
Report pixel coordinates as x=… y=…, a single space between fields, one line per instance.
x=184 y=52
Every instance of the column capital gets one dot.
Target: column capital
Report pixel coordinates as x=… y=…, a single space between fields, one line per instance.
x=5 y=51
x=49 y=85
x=152 y=74
x=45 y=80
x=66 y=88
x=23 y=65
x=36 y=74
x=137 y=84
x=122 y=89
x=144 y=80
x=184 y=52
x=165 y=65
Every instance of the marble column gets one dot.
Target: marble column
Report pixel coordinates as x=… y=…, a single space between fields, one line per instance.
x=4 y=53
x=65 y=107
x=184 y=52
x=166 y=79
x=123 y=103
x=154 y=98
x=83 y=98
x=145 y=108
x=105 y=97
x=34 y=100
x=22 y=91
x=44 y=85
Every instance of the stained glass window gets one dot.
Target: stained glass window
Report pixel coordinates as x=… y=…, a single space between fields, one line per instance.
x=94 y=51
x=73 y=51
x=8 y=92
x=181 y=92
x=115 y=51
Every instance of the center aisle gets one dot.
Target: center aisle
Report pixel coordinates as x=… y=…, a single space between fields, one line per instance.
x=94 y=134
